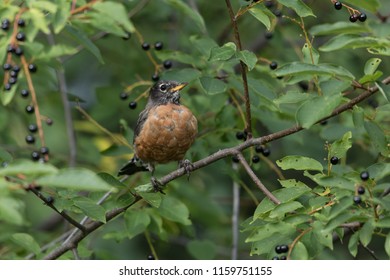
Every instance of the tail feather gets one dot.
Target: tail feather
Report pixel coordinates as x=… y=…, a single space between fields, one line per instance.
x=132 y=167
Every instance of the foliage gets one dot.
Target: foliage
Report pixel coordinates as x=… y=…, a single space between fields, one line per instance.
x=323 y=112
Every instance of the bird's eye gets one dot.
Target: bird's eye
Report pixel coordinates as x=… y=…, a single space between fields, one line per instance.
x=163 y=87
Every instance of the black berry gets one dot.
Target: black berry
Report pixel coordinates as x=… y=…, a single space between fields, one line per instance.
x=30 y=109
x=16 y=68
x=284 y=248
x=362 y=17
x=353 y=18
x=30 y=139
x=32 y=67
x=266 y=152
x=21 y=22
x=361 y=190
x=123 y=96
x=269 y=3
x=364 y=175
x=49 y=199
x=150 y=257
x=278 y=249
x=145 y=46
x=283 y=258
x=5 y=24
x=268 y=35
x=235 y=159
x=13 y=74
x=334 y=160
x=240 y=135
x=133 y=105
x=20 y=36
x=33 y=128
x=273 y=65
x=44 y=150
x=338 y=5
x=7 y=66
x=12 y=80
x=259 y=149
x=275 y=258
x=155 y=77
x=357 y=199
x=158 y=46
x=167 y=64
x=278 y=13
x=255 y=159
x=7 y=86
x=10 y=49
x=18 y=51
x=24 y=93
x=35 y=156
x=49 y=121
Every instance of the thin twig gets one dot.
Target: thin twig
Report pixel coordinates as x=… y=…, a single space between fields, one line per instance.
x=233 y=20
x=256 y=179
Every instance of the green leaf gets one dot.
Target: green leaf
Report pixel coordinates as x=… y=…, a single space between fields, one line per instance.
x=212 y=86
x=340 y=147
x=371 y=65
x=387 y=244
x=383 y=223
x=10 y=211
x=174 y=210
x=384 y=89
x=322 y=236
x=358 y=116
x=377 y=136
x=6 y=96
x=106 y=24
x=380 y=51
x=370 y=77
x=310 y=54
x=111 y=180
x=313 y=110
x=365 y=233
x=39 y=20
x=202 y=249
x=268 y=244
x=61 y=16
x=347 y=41
x=115 y=11
x=56 y=51
x=332 y=181
x=262 y=14
x=284 y=208
x=153 y=198
x=337 y=221
x=353 y=244
x=90 y=208
x=27 y=242
x=43 y=6
x=188 y=13
x=177 y=56
x=299 y=163
x=263 y=208
x=269 y=230
x=136 y=222
x=82 y=39
x=379 y=170
x=299 y=252
x=182 y=75
x=292 y=97
x=291 y=183
x=223 y=53
x=5 y=156
x=75 y=179
x=298 y=6
x=249 y=58
x=27 y=168
x=300 y=68
x=372 y=5
x=341 y=27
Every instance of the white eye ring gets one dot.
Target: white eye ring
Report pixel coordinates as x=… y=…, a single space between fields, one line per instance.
x=163 y=87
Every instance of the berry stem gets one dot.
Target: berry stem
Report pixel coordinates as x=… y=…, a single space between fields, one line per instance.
x=150 y=243
x=233 y=19
x=35 y=102
x=291 y=247
x=148 y=53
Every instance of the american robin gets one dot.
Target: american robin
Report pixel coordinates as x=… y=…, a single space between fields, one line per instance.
x=165 y=130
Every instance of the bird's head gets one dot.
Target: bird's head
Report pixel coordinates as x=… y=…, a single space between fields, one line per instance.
x=164 y=92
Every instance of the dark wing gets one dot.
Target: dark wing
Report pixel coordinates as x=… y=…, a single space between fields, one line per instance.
x=140 y=123
x=132 y=167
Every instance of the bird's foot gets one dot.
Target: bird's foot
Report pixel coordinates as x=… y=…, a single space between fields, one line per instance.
x=188 y=167
x=157 y=185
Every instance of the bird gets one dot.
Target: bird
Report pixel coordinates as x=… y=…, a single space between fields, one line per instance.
x=164 y=131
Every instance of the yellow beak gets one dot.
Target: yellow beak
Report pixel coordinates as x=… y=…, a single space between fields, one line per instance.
x=178 y=87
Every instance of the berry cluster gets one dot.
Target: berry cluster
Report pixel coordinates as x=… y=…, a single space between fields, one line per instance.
x=364 y=176
x=355 y=15
x=281 y=249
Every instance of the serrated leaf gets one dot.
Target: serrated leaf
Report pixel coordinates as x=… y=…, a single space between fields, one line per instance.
x=39 y=20
x=262 y=14
x=284 y=208
x=377 y=136
x=371 y=65
x=223 y=53
x=189 y=13
x=299 y=252
x=28 y=168
x=27 y=242
x=340 y=147
x=291 y=183
x=174 y=210
x=136 y=222
x=313 y=110
x=298 y=6
x=249 y=58
x=90 y=208
x=366 y=232
x=387 y=244
x=346 y=41
x=153 y=198
x=202 y=249
x=82 y=39
x=75 y=179
x=300 y=68
x=270 y=229
x=353 y=244
x=212 y=86
x=299 y=163
x=115 y=11
x=341 y=27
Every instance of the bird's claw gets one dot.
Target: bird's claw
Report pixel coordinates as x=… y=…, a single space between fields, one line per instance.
x=157 y=185
x=188 y=167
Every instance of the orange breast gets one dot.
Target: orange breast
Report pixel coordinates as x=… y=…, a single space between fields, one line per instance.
x=167 y=134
